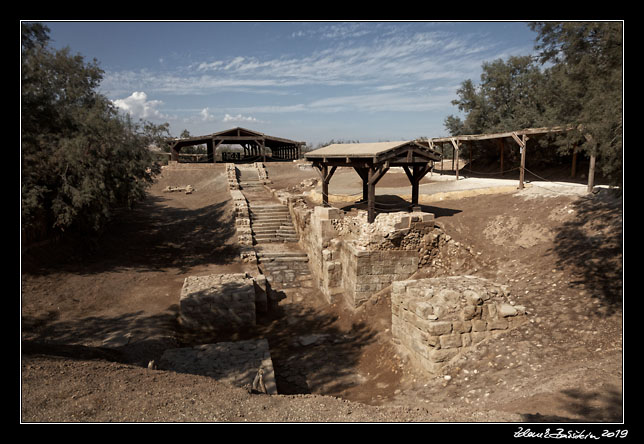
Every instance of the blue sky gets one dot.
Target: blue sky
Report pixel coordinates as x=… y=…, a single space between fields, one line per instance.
x=308 y=81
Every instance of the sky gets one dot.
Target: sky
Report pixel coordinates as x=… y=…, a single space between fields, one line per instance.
x=361 y=81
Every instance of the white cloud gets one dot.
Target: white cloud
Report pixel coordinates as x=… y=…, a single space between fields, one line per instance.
x=205 y=115
x=138 y=105
x=238 y=118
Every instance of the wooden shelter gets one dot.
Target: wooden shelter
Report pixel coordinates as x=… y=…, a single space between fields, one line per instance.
x=521 y=137
x=254 y=144
x=371 y=161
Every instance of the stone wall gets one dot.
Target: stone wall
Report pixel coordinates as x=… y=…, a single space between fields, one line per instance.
x=242 y=216
x=434 y=320
x=221 y=302
x=348 y=256
x=365 y=272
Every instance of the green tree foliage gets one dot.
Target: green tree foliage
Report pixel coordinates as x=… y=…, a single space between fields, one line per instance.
x=585 y=85
x=576 y=80
x=80 y=158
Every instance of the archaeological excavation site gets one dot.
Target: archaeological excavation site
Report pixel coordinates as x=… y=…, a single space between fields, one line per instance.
x=356 y=282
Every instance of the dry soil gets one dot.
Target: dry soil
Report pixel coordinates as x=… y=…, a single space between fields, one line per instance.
x=95 y=311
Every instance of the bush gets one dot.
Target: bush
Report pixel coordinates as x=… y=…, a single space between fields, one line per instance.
x=80 y=158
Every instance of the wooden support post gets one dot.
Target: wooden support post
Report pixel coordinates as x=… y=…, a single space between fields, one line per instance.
x=455 y=143
x=174 y=153
x=371 y=195
x=325 y=186
x=523 y=142
x=210 y=150
x=374 y=175
x=364 y=175
x=414 y=187
x=419 y=171
x=591 y=174
x=522 y=172
x=263 y=148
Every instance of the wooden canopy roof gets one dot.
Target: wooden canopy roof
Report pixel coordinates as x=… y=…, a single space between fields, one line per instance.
x=371 y=161
x=396 y=153
x=241 y=136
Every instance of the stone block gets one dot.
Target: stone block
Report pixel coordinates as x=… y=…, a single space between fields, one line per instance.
x=497 y=324
x=438 y=327
x=328 y=213
x=218 y=302
x=461 y=326
x=441 y=354
x=453 y=340
x=506 y=310
x=477 y=336
x=479 y=325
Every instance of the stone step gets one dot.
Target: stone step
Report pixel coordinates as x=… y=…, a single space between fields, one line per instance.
x=275 y=239
x=281 y=254
x=261 y=214
x=256 y=219
x=275 y=231
x=271 y=214
x=303 y=258
x=270 y=225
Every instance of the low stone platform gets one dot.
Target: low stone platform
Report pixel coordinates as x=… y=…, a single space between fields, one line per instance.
x=220 y=302
x=236 y=363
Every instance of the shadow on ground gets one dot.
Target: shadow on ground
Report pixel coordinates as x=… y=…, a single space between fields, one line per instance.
x=591 y=244
x=151 y=237
x=604 y=406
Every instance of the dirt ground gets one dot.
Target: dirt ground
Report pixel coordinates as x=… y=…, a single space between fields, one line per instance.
x=94 y=312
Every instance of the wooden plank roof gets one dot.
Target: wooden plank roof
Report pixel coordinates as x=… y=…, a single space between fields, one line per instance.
x=522 y=132
x=377 y=151
x=235 y=135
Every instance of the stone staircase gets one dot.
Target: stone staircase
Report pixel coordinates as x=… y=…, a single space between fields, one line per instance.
x=249 y=179
x=275 y=240
x=271 y=223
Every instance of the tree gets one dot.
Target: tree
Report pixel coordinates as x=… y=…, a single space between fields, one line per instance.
x=585 y=87
x=80 y=158
x=575 y=80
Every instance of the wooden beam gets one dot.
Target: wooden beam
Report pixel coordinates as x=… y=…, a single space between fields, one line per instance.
x=371 y=195
x=263 y=148
x=523 y=142
x=456 y=143
x=378 y=173
x=364 y=175
x=591 y=174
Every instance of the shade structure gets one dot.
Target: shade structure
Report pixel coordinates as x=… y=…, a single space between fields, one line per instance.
x=253 y=142
x=371 y=161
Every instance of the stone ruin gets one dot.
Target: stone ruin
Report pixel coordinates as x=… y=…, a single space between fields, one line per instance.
x=221 y=302
x=241 y=363
x=434 y=320
x=353 y=258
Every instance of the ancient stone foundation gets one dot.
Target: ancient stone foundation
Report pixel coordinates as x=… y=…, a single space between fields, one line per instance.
x=355 y=259
x=237 y=363
x=221 y=302
x=434 y=320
